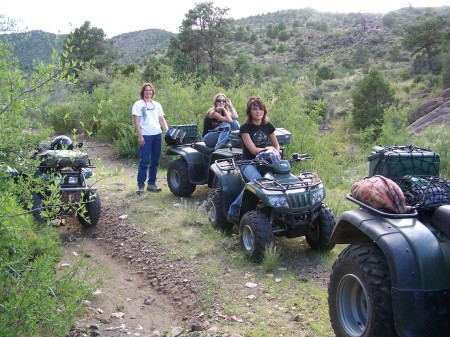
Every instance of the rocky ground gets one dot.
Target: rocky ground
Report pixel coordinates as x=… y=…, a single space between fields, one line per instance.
x=142 y=293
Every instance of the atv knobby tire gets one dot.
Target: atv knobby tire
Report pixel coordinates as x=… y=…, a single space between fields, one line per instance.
x=216 y=214
x=177 y=179
x=318 y=235
x=255 y=234
x=92 y=207
x=359 y=293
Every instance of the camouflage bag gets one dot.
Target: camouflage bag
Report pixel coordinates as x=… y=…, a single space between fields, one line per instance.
x=381 y=193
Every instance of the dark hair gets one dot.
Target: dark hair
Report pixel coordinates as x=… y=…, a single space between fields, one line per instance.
x=256 y=101
x=143 y=89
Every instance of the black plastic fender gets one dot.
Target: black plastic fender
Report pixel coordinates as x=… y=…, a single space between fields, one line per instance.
x=230 y=182
x=419 y=264
x=196 y=161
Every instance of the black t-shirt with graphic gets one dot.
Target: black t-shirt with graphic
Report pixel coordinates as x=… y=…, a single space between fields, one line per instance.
x=259 y=134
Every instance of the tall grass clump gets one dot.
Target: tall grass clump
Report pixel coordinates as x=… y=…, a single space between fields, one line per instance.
x=271 y=259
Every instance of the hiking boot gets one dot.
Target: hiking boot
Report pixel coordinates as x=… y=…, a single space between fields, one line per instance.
x=153 y=188
x=140 y=190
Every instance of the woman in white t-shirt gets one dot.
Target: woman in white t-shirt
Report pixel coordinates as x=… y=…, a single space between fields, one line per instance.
x=148 y=119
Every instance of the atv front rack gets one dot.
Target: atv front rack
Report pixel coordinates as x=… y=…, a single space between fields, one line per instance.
x=273 y=185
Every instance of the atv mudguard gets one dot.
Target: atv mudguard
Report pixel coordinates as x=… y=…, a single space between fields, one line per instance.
x=228 y=181
x=195 y=160
x=419 y=264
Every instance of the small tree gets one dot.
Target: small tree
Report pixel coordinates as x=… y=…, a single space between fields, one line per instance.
x=426 y=38
x=89 y=44
x=201 y=40
x=373 y=96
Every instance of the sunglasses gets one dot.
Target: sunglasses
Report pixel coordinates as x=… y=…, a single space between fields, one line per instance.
x=220 y=101
x=151 y=107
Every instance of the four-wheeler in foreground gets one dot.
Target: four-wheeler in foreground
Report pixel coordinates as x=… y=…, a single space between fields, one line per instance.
x=280 y=203
x=393 y=279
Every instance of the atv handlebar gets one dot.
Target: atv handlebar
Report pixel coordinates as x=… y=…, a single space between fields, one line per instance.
x=295 y=157
x=300 y=157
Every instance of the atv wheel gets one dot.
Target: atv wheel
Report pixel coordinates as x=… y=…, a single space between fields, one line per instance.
x=177 y=179
x=359 y=293
x=92 y=205
x=318 y=235
x=216 y=214
x=255 y=234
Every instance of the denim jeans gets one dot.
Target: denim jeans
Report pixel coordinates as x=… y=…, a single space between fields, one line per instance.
x=250 y=173
x=150 y=154
x=218 y=137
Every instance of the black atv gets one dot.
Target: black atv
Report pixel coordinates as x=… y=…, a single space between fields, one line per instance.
x=194 y=159
x=394 y=277
x=64 y=170
x=280 y=203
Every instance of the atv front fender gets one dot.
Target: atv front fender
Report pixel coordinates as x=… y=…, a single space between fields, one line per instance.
x=419 y=264
x=230 y=182
x=196 y=161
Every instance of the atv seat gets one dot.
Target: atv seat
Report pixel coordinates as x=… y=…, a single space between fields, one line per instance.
x=441 y=219
x=201 y=147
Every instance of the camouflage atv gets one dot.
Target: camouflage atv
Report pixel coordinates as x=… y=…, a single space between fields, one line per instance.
x=64 y=170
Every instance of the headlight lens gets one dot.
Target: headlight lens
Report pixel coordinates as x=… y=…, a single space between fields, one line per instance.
x=278 y=201
x=317 y=195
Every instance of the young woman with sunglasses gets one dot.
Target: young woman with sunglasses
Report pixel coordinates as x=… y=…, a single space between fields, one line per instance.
x=219 y=122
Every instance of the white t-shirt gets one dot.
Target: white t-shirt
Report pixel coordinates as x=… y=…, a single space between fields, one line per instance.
x=149 y=113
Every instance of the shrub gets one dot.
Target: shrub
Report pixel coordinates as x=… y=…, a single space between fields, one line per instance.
x=44 y=302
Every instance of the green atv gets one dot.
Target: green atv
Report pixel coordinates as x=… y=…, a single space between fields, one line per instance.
x=193 y=159
x=279 y=204
x=393 y=279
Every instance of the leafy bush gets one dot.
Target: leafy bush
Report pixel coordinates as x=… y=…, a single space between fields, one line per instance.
x=32 y=293
x=126 y=142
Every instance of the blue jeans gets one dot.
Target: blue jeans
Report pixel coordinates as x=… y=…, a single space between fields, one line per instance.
x=250 y=173
x=149 y=154
x=217 y=138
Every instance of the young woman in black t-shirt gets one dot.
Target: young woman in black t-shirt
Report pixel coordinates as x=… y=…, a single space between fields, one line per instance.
x=256 y=133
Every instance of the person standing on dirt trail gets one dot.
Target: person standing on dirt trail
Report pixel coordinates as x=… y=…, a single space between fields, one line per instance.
x=148 y=119
x=219 y=122
x=255 y=133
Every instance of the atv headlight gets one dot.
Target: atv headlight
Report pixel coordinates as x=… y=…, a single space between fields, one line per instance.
x=317 y=195
x=278 y=201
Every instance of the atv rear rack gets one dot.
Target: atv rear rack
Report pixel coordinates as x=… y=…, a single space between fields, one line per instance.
x=380 y=212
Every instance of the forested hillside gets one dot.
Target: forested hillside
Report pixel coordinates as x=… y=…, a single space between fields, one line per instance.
x=284 y=39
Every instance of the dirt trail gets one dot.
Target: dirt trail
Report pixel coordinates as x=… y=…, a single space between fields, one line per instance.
x=142 y=294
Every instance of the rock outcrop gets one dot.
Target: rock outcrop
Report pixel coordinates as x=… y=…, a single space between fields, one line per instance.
x=434 y=112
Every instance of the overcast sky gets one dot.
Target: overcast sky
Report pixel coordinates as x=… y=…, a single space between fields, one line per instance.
x=117 y=17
